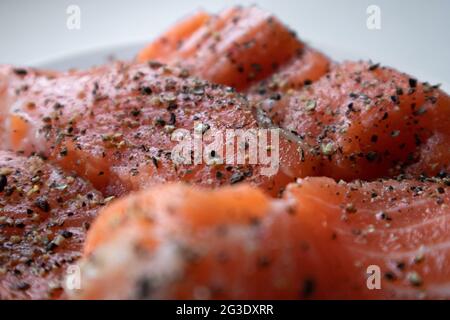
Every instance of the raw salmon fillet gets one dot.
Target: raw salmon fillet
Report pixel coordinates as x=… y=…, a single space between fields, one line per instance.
x=238 y=47
x=114 y=125
x=44 y=216
x=364 y=121
x=318 y=242
x=307 y=66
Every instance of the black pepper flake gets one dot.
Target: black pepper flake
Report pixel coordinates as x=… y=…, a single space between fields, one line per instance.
x=134 y=171
x=19 y=224
x=350 y=208
x=390 y=276
x=237 y=177
x=135 y=112
x=276 y=97
x=146 y=91
x=95 y=89
x=374 y=67
x=442 y=174
x=412 y=82
x=417 y=140
x=58 y=106
x=383 y=216
x=42 y=204
x=371 y=156
x=374 y=138
x=172 y=106
x=66 y=234
x=394 y=99
x=173 y=119
x=401 y=265
x=155 y=162
x=350 y=106
x=155 y=64
x=63 y=152
x=3 y=182
x=51 y=246
x=160 y=122
x=20 y=71
x=262 y=91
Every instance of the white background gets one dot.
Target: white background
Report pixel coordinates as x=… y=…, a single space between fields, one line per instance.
x=414 y=35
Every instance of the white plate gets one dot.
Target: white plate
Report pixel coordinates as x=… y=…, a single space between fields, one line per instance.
x=90 y=58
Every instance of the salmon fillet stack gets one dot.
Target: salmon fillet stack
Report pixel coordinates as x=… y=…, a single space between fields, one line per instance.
x=242 y=47
x=360 y=187
x=355 y=120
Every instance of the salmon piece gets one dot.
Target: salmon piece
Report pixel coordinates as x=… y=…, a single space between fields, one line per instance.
x=317 y=242
x=307 y=66
x=119 y=126
x=237 y=48
x=364 y=121
x=45 y=214
x=166 y=46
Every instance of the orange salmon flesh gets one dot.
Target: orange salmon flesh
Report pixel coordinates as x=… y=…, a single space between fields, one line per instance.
x=317 y=242
x=358 y=197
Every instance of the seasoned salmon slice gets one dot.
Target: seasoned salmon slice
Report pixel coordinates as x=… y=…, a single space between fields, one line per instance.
x=237 y=47
x=121 y=125
x=165 y=47
x=383 y=239
x=365 y=121
x=44 y=216
x=307 y=66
